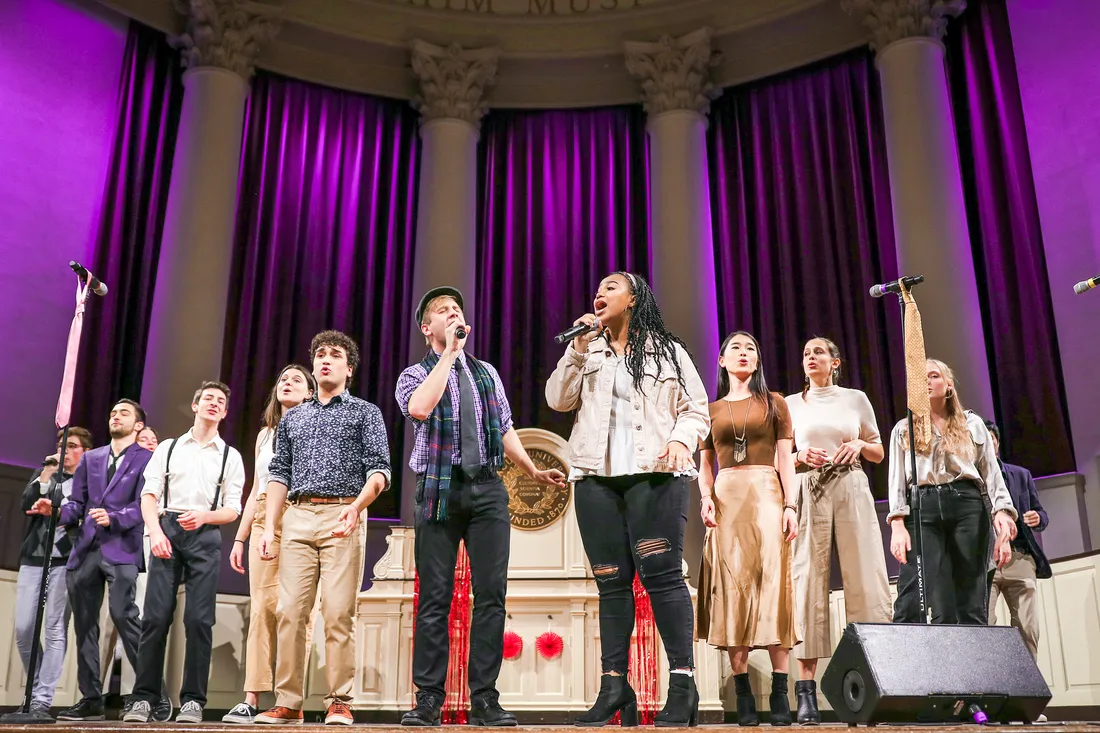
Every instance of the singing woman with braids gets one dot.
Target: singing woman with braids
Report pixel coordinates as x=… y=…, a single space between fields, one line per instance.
x=835 y=430
x=641 y=411
x=966 y=513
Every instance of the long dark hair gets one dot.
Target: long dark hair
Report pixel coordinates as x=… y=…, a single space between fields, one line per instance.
x=273 y=410
x=758 y=386
x=647 y=329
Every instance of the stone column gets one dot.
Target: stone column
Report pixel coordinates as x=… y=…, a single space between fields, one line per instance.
x=188 y=322
x=451 y=100
x=926 y=185
x=676 y=91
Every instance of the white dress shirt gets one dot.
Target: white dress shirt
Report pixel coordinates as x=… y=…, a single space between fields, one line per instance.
x=263 y=461
x=194 y=475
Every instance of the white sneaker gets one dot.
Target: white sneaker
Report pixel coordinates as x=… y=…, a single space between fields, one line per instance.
x=139 y=712
x=190 y=712
x=1041 y=719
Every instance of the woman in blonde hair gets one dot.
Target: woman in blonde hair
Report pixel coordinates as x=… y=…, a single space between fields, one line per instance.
x=966 y=513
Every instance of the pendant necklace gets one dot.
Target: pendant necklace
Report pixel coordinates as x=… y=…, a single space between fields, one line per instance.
x=740 y=444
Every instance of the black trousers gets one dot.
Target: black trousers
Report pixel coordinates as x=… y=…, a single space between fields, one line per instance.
x=956 y=533
x=195 y=564
x=630 y=523
x=86 y=597
x=477 y=513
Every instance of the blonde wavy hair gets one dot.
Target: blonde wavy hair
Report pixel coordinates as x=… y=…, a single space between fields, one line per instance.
x=956 y=436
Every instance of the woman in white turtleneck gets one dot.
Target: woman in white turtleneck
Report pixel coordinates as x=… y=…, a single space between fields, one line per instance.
x=834 y=430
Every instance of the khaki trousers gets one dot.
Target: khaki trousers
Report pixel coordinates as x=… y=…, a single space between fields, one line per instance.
x=263 y=587
x=1017 y=583
x=309 y=556
x=836 y=501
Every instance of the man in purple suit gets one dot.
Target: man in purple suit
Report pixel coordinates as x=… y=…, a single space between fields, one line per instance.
x=105 y=508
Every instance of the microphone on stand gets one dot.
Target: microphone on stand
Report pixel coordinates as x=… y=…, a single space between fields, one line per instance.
x=877 y=291
x=571 y=333
x=1086 y=285
x=95 y=285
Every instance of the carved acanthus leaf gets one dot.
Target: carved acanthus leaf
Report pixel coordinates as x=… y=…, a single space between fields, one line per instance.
x=453 y=81
x=674 y=72
x=893 y=20
x=225 y=33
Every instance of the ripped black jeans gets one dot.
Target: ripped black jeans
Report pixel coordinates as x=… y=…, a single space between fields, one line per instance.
x=630 y=523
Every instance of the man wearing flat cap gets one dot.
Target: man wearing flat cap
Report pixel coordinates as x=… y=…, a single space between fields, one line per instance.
x=463 y=431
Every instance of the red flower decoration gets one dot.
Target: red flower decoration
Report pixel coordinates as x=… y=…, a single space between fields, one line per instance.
x=513 y=645
x=549 y=645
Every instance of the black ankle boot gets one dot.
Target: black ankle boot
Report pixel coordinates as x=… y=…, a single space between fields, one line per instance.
x=806 y=692
x=746 y=703
x=616 y=696
x=778 y=701
x=682 y=706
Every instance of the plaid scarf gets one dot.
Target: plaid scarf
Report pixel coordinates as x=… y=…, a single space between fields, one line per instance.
x=441 y=435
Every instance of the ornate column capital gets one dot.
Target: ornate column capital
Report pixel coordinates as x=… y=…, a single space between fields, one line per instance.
x=893 y=20
x=453 y=81
x=674 y=72
x=224 y=33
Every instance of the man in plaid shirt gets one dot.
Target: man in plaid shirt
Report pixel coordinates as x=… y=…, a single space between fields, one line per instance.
x=463 y=430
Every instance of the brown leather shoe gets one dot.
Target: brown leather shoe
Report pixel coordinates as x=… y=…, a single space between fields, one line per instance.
x=339 y=713
x=279 y=715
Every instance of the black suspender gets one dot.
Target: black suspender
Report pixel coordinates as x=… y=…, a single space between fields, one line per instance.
x=168 y=473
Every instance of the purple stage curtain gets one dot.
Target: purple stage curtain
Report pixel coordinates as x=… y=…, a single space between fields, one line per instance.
x=563 y=202
x=127 y=246
x=1029 y=393
x=325 y=233
x=803 y=226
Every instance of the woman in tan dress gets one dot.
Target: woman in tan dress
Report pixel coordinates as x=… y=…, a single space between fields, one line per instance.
x=746 y=598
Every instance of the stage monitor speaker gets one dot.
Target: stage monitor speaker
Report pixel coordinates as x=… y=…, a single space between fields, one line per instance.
x=920 y=673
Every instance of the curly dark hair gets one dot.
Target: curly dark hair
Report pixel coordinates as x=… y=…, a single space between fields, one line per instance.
x=340 y=340
x=647 y=334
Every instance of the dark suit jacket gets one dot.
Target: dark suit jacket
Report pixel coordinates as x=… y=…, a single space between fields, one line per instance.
x=32 y=549
x=1025 y=497
x=121 y=541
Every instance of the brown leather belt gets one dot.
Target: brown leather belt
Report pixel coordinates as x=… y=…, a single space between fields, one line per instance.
x=323 y=500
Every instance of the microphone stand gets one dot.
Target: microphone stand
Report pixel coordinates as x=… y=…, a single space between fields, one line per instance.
x=23 y=715
x=915 y=499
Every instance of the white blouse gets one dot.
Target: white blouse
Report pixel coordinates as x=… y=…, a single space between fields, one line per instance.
x=941 y=467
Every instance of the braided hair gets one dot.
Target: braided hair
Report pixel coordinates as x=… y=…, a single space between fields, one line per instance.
x=647 y=330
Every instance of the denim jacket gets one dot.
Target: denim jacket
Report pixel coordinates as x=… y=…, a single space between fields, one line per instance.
x=664 y=411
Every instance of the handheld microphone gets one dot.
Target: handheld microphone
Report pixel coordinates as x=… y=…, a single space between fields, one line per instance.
x=1086 y=285
x=96 y=286
x=571 y=333
x=460 y=333
x=877 y=291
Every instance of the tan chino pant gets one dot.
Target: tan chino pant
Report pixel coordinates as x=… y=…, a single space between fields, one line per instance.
x=311 y=558
x=1017 y=583
x=836 y=501
x=263 y=588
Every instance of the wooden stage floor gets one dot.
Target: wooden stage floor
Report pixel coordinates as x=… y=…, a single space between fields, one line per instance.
x=116 y=727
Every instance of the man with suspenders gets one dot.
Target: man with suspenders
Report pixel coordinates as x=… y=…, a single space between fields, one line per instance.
x=192 y=484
